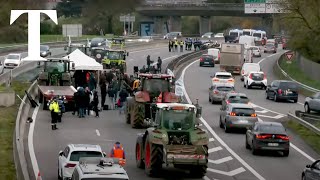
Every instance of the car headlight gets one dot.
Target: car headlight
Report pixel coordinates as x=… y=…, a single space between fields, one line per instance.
x=99 y=44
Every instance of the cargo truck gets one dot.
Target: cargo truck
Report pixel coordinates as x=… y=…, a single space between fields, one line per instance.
x=232 y=57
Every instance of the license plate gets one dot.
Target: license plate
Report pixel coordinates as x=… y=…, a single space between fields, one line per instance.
x=223 y=81
x=273 y=144
x=206 y=62
x=243 y=121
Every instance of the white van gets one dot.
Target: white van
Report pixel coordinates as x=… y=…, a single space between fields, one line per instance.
x=237 y=33
x=248 y=67
x=247 y=41
x=248 y=32
x=260 y=37
x=215 y=53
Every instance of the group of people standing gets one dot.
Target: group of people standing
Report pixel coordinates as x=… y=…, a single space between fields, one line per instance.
x=150 y=62
x=174 y=44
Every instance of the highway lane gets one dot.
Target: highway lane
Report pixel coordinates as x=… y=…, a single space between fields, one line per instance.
x=269 y=166
x=110 y=126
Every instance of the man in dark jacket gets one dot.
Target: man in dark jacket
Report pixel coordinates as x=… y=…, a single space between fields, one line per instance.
x=159 y=64
x=122 y=98
x=103 y=89
x=76 y=102
x=148 y=62
x=95 y=103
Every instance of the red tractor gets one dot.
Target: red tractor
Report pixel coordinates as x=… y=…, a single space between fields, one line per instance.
x=153 y=88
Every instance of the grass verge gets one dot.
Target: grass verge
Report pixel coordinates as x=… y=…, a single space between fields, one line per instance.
x=294 y=72
x=311 y=138
x=7 y=125
x=56 y=38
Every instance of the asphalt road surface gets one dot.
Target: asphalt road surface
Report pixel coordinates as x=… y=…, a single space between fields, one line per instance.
x=228 y=165
x=107 y=129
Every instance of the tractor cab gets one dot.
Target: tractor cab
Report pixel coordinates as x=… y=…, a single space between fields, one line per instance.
x=73 y=46
x=115 y=59
x=56 y=72
x=118 y=42
x=98 y=53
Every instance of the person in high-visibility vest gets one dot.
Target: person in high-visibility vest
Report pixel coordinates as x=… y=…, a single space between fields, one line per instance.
x=118 y=152
x=55 y=109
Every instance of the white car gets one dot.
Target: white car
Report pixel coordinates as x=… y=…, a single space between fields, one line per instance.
x=1 y=67
x=12 y=61
x=207 y=35
x=99 y=169
x=255 y=78
x=247 y=67
x=219 y=35
x=256 y=51
x=145 y=39
x=222 y=77
x=69 y=157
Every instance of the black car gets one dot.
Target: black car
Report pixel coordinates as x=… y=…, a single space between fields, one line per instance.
x=311 y=172
x=96 y=42
x=45 y=51
x=270 y=136
x=282 y=90
x=207 y=60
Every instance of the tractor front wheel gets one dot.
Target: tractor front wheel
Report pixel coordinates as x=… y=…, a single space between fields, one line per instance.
x=137 y=115
x=153 y=155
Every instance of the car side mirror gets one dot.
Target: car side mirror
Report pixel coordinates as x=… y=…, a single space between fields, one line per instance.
x=104 y=154
x=60 y=153
x=308 y=166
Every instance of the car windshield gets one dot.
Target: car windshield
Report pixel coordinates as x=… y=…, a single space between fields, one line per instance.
x=225 y=88
x=156 y=85
x=207 y=34
x=238 y=99
x=178 y=119
x=219 y=34
x=269 y=45
x=272 y=129
x=223 y=76
x=288 y=85
x=44 y=48
x=12 y=56
x=234 y=34
x=115 y=55
x=103 y=178
x=257 y=35
x=257 y=76
x=76 y=155
x=55 y=67
x=243 y=111
x=246 y=33
x=208 y=57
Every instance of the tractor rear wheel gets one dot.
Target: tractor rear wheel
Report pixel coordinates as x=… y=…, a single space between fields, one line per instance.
x=137 y=115
x=153 y=155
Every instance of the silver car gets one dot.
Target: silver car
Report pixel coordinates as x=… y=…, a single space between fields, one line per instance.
x=218 y=91
x=1 y=67
x=312 y=103
x=237 y=115
x=312 y=172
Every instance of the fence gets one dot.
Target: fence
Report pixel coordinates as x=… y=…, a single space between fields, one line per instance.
x=309 y=67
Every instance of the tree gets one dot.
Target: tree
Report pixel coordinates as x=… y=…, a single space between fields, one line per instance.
x=303 y=24
x=70 y=8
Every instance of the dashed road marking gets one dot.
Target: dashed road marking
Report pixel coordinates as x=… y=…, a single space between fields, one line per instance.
x=230 y=173
x=272 y=117
x=211 y=150
x=97 y=132
x=222 y=160
x=263 y=111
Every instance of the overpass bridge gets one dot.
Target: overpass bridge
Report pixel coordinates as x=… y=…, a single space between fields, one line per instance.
x=162 y=16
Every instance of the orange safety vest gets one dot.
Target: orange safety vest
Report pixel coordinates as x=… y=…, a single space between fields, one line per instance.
x=117 y=152
x=159 y=99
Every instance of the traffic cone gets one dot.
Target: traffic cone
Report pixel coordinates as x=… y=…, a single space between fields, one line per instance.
x=39 y=176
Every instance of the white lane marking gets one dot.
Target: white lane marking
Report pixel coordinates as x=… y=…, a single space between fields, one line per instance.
x=272 y=117
x=263 y=59
x=222 y=142
x=32 y=154
x=302 y=152
x=144 y=50
x=211 y=150
x=97 y=132
x=211 y=140
x=222 y=160
x=260 y=120
x=263 y=111
x=215 y=135
x=230 y=173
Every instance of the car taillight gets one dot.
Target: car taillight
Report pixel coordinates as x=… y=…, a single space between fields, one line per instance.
x=283 y=137
x=215 y=79
x=216 y=92
x=232 y=114
x=231 y=80
x=201 y=59
x=254 y=115
x=242 y=72
x=264 y=76
x=279 y=91
x=228 y=102
x=219 y=56
x=265 y=136
x=250 y=76
x=69 y=165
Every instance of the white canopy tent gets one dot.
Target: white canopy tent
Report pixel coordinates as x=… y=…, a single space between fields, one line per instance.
x=83 y=62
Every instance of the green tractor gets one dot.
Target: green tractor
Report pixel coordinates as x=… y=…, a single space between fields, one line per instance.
x=73 y=46
x=140 y=106
x=115 y=59
x=174 y=138
x=98 y=53
x=56 y=72
x=118 y=42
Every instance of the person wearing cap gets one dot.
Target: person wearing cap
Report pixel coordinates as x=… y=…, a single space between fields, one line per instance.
x=54 y=108
x=159 y=64
x=118 y=152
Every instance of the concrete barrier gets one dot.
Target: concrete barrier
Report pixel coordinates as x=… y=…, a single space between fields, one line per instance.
x=7 y=98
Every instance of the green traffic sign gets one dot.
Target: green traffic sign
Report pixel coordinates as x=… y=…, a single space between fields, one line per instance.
x=254 y=1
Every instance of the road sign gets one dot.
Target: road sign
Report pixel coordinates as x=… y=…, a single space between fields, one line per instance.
x=289 y=56
x=254 y=8
x=127 y=18
x=274 y=8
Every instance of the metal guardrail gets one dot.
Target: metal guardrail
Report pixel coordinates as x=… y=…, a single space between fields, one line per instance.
x=314 y=90
x=182 y=59
x=18 y=142
x=304 y=123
